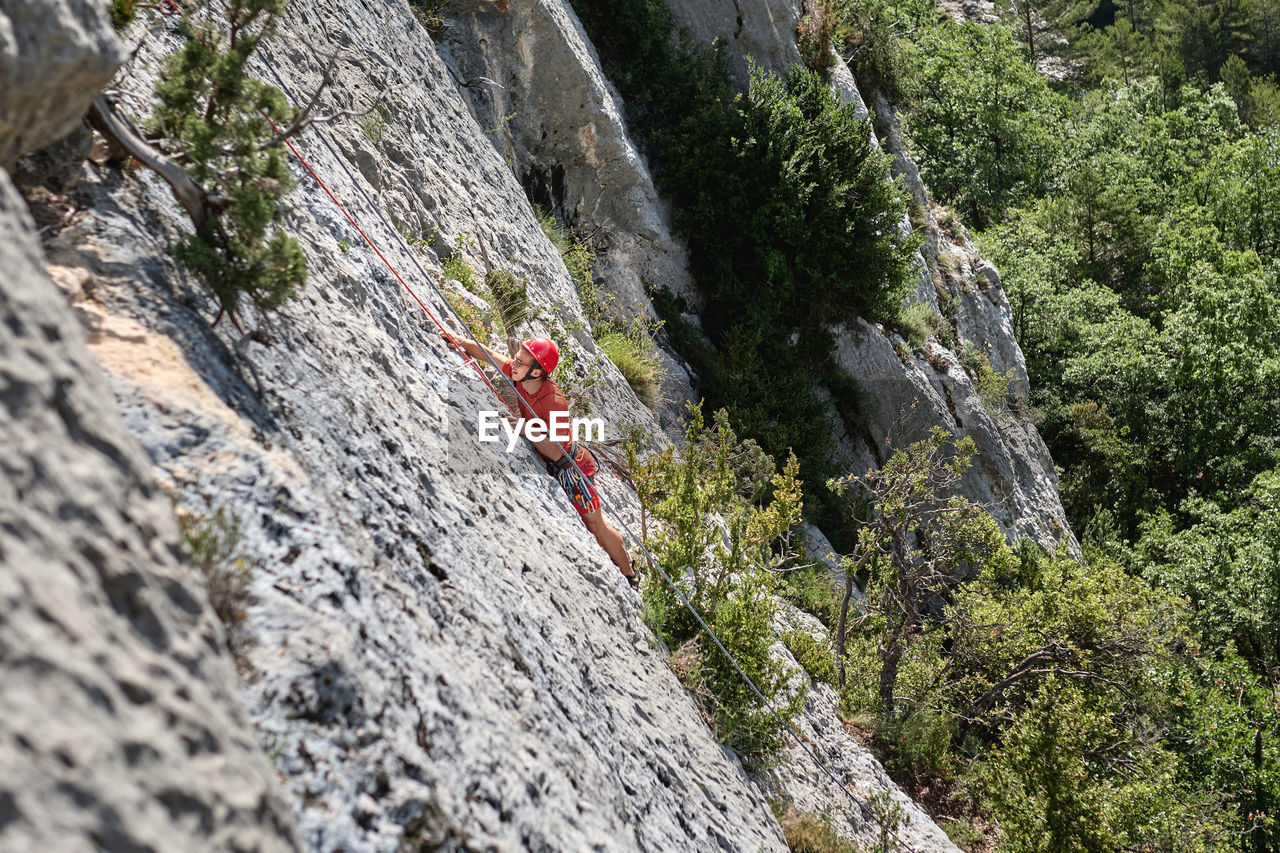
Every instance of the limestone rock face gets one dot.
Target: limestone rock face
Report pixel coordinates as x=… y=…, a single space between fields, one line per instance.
x=54 y=55
x=1011 y=473
x=763 y=31
x=905 y=393
x=441 y=655
x=120 y=723
x=438 y=655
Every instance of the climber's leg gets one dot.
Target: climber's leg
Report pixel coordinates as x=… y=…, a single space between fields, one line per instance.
x=610 y=540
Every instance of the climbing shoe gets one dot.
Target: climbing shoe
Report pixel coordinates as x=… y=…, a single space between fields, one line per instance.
x=633 y=579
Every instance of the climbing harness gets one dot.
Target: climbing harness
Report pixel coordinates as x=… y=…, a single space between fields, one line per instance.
x=791 y=730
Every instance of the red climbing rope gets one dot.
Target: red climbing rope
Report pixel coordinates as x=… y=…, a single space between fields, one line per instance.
x=394 y=271
x=306 y=165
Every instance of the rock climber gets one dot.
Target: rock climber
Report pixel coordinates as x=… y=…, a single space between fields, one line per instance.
x=530 y=369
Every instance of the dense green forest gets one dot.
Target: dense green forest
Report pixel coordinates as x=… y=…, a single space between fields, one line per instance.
x=1120 y=164
x=1128 y=187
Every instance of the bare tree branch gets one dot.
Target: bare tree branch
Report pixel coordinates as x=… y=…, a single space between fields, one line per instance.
x=484 y=253
x=120 y=131
x=305 y=119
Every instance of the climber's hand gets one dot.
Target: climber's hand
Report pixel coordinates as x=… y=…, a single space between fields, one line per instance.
x=450 y=339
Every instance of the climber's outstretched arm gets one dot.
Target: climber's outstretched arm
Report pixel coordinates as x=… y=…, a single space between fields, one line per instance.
x=475 y=350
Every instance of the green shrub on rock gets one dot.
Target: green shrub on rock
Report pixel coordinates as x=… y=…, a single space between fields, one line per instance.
x=815 y=34
x=790 y=215
x=216 y=120
x=123 y=12
x=811 y=654
x=719 y=549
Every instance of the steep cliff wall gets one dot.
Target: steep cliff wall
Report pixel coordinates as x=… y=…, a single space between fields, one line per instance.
x=1013 y=475
x=531 y=80
x=437 y=655
x=440 y=655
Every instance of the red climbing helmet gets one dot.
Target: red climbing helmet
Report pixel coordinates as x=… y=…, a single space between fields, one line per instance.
x=544 y=352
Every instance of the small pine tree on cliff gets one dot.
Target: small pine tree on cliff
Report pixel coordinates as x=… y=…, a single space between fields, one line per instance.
x=216 y=120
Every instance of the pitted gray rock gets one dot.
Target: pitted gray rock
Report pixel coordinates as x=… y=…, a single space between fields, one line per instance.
x=120 y=723
x=54 y=55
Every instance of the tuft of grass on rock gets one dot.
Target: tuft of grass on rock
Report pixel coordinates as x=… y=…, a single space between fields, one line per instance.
x=212 y=542
x=374 y=125
x=630 y=347
x=815 y=590
x=808 y=833
x=430 y=13
x=123 y=12
x=636 y=358
x=508 y=294
x=555 y=232
x=919 y=321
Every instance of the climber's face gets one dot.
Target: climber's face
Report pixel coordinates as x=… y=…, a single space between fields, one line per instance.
x=524 y=364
